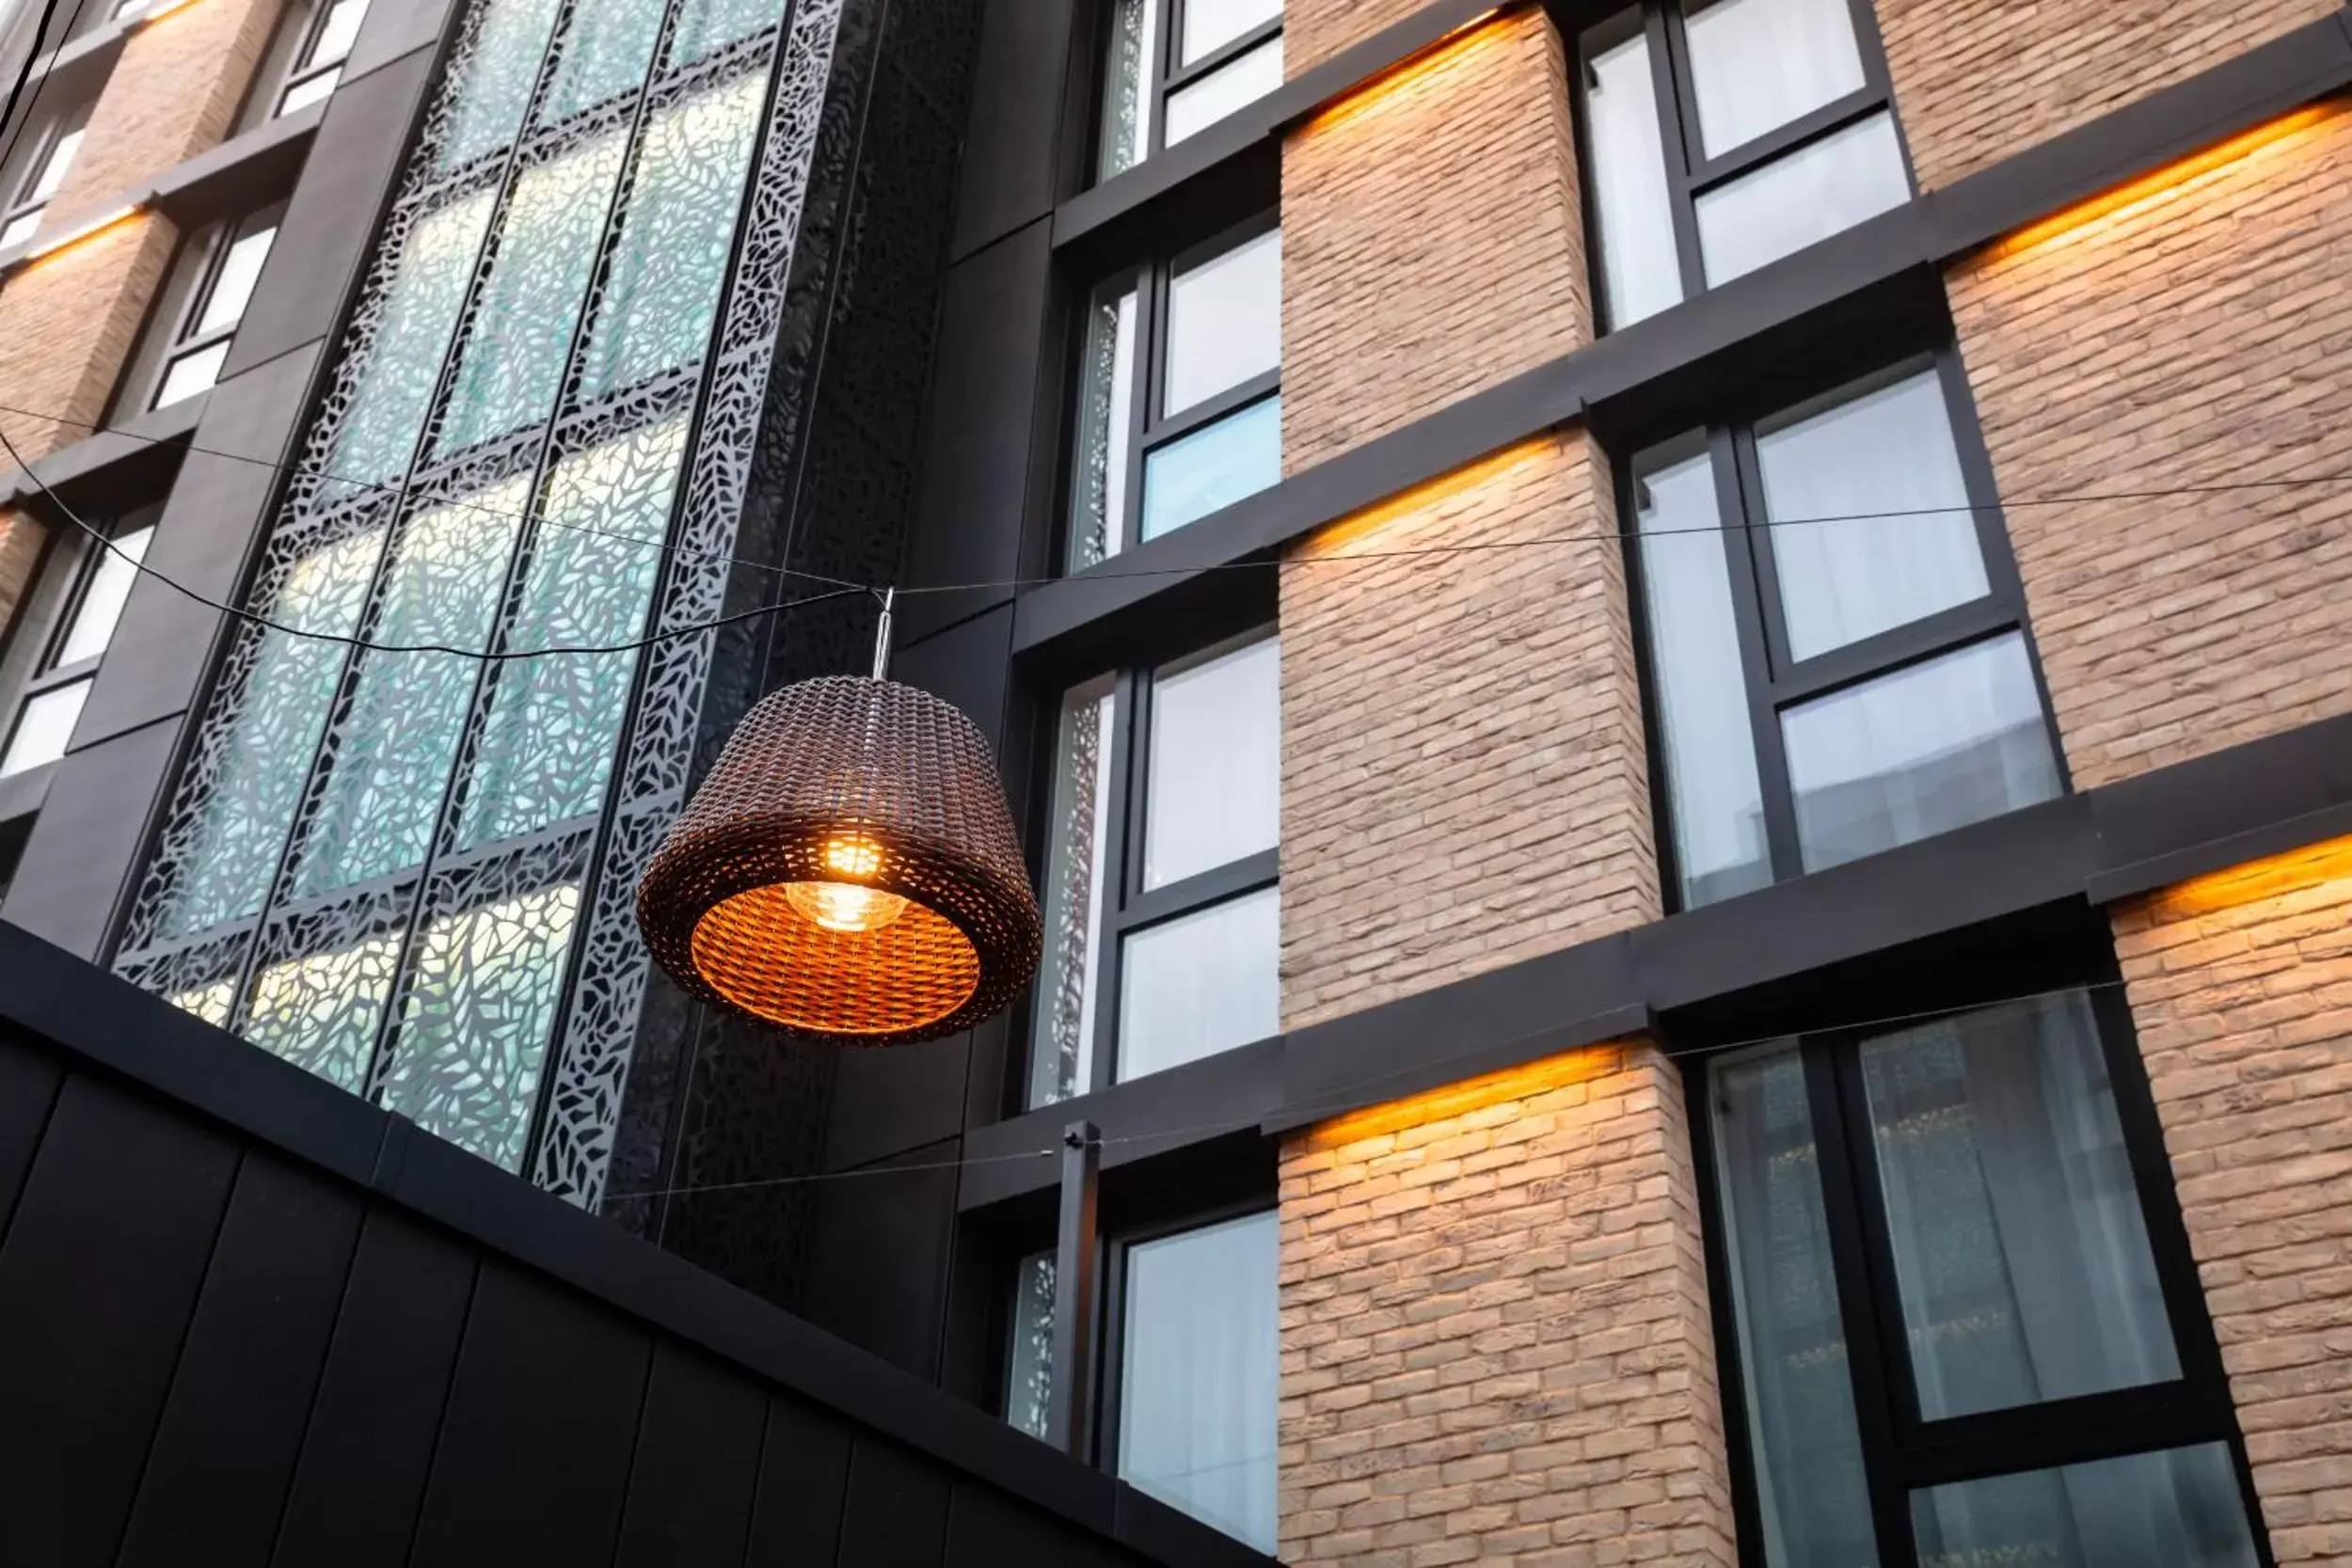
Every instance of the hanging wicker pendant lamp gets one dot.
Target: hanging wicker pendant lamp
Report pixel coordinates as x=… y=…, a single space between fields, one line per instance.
x=848 y=872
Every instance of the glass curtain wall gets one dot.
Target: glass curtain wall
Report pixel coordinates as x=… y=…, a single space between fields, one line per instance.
x=385 y=863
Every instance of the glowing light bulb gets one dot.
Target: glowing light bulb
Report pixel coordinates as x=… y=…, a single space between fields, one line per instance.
x=846 y=906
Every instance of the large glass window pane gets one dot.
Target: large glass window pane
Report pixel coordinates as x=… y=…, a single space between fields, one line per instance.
x=232 y=288
x=1201 y=984
x=53 y=167
x=1713 y=788
x=1886 y=464
x=498 y=71
x=1198 y=1367
x=512 y=361
x=309 y=90
x=1805 y=1446
x=1211 y=467
x=2020 y=1251
x=554 y=723
x=101 y=609
x=1821 y=189
x=1922 y=751
x=603 y=54
x=388 y=404
x=43 y=727
x=1215 y=763
x=473 y=1033
x=1759 y=64
x=1106 y=382
x=321 y=1011
x=676 y=237
x=1061 y=1055
x=1029 y=1354
x=706 y=27
x=190 y=373
x=1130 y=53
x=337 y=32
x=1640 y=270
x=2177 y=1508
x=1224 y=322
x=1197 y=105
x=1211 y=23
x=395 y=745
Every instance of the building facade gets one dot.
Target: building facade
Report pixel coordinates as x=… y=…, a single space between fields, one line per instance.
x=1675 y=673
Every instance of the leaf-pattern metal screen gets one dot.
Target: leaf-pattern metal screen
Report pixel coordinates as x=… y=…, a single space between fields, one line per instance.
x=387 y=866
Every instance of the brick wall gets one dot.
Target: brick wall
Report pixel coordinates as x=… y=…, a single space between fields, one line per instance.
x=1495 y=1337
x=2241 y=987
x=1431 y=242
x=1314 y=30
x=1976 y=80
x=1464 y=784
x=2194 y=337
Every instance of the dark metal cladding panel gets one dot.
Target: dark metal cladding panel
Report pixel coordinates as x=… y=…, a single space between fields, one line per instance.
x=985 y=1528
x=29 y=1078
x=895 y=1515
x=804 y=1473
x=877 y=1257
x=690 y=1495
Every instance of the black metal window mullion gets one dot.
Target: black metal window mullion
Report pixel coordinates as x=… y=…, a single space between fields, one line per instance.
x=1752 y=619
x=1164 y=75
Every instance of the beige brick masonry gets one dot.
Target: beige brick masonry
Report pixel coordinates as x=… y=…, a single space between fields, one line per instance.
x=2241 y=988
x=1979 y=80
x=2190 y=344
x=1431 y=243
x=1464 y=784
x=1495 y=1337
x=1314 y=30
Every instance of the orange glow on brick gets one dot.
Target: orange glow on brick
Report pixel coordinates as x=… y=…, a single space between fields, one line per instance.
x=1448 y=50
x=1582 y=1066
x=45 y=247
x=2113 y=208
x=1334 y=538
x=2313 y=865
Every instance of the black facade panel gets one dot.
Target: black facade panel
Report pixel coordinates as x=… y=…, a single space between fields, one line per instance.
x=80 y=855
x=985 y=1528
x=360 y=1481
x=690 y=1495
x=1013 y=155
x=98 y=1280
x=804 y=1473
x=391 y=31
x=895 y=1515
x=215 y=1482
x=877 y=1257
x=542 y=1422
x=29 y=1078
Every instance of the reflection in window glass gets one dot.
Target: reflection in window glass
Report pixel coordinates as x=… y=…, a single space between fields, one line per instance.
x=1199 y=984
x=1821 y=189
x=499 y=69
x=44 y=725
x=1029 y=1354
x=1627 y=163
x=473 y=1034
x=515 y=345
x=1708 y=741
x=1197 y=1368
x=388 y=404
x=1131 y=45
x=547 y=748
x=1759 y=64
x=394 y=744
x=1886 y=464
x=1197 y=105
x=1224 y=322
x=1804 y=1442
x=1216 y=769
x=1061 y=1055
x=656 y=310
x=320 y=1011
x=2020 y=1252
x=1107 y=379
x=1939 y=744
x=2177 y=1508
x=232 y=286
x=1211 y=467
x=1209 y=24
x=109 y=589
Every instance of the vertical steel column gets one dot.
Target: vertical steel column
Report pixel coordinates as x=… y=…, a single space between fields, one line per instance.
x=1072 y=1395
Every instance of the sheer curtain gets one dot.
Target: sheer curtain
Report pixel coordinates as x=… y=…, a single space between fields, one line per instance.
x=1759 y=64
x=1198 y=1373
x=1215 y=763
x=1200 y=983
x=2179 y=1507
x=2020 y=1250
x=1628 y=164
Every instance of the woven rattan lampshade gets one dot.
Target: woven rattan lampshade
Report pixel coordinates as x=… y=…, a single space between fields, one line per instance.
x=848 y=871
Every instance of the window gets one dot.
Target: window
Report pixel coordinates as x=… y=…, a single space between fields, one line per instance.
x=1187 y=1405
x=1968 y=1328
x=1180 y=406
x=38 y=175
x=205 y=301
x=329 y=28
x=1162 y=908
x=1173 y=68
x=1837 y=659
x=1721 y=134
x=99 y=583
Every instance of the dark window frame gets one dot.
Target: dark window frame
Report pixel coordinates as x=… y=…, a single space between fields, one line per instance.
x=303 y=67
x=1901 y=1453
x=1690 y=174
x=26 y=177
x=48 y=674
x=217 y=241
x=1162 y=76
x=1126 y=907
x=1149 y=424
x=1775 y=682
